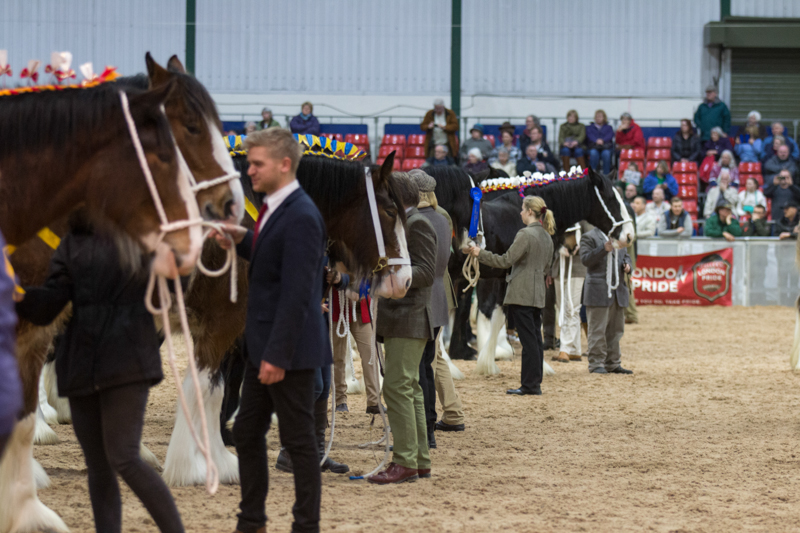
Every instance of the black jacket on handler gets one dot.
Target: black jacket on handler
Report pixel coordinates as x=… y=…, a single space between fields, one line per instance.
x=111 y=339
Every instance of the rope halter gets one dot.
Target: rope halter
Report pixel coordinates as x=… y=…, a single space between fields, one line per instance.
x=383 y=260
x=612 y=259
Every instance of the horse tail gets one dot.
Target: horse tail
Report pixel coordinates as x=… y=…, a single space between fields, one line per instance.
x=794 y=359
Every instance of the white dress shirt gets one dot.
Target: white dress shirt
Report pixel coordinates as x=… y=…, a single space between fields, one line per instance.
x=275 y=199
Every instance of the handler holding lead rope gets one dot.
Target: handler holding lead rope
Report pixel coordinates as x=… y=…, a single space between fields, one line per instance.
x=568 y=273
x=529 y=259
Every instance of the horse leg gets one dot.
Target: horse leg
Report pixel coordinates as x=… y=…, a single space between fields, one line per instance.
x=488 y=329
x=43 y=434
x=48 y=411
x=461 y=332
x=51 y=385
x=455 y=372
x=504 y=350
x=185 y=464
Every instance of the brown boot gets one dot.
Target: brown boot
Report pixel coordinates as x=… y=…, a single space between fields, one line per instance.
x=562 y=357
x=575 y=357
x=582 y=161
x=565 y=163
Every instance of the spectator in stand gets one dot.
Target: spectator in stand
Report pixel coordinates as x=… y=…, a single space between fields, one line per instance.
x=571 y=137
x=600 y=140
x=780 y=161
x=786 y=227
x=629 y=134
x=305 y=122
x=754 y=123
x=658 y=207
x=504 y=162
x=757 y=226
x=543 y=151
x=782 y=190
x=630 y=192
x=475 y=162
x=712 y=113
x=726 y=161
x=676 y=223
x=267 y=120
x=632 y=174
x=440 y=158
x=723 y=223
x=525 y=136
x=716 y=144
x=532 y=163
x=749 y=144
x=478 y=141
x=660 y=178
x=507 y=142
x=749 y=198
x=645 y=221
x=769 y=147
x=721 y=193
x=686 y=143
x=249 y=128
x=441 y=128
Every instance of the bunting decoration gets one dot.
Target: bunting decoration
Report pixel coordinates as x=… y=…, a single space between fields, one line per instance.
x=329 y=147
x=235 y=144
x=5 y=68
x=30 y=71
x=91 y=79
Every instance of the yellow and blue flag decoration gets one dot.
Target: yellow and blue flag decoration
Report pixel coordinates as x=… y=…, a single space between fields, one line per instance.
x=329 y=147
x=235 y=144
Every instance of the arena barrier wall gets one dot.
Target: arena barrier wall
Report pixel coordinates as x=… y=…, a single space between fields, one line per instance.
x=764 y=271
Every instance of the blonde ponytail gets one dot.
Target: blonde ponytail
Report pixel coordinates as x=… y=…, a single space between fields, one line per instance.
x=544 y=215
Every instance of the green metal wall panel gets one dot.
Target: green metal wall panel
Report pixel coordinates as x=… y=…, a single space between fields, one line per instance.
x=765 y=79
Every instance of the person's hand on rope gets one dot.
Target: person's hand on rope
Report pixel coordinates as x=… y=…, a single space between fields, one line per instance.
x=235 y=231
x=334 y=277
x=627 y=268
x=609 y=246
x=548 y=280
x=270 y=374
x=474 y=251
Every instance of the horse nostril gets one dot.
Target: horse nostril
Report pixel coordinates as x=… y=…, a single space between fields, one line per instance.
x=229 y=208
x=408 y=284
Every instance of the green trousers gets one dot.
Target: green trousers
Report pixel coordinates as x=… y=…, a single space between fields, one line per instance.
x=404 y=401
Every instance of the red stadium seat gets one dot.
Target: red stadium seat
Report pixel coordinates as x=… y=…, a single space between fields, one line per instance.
x=691 y=207
x=631 y=153
x=416 y=139
x=337 y=136
x=744 y=177
x=490 y=138
x=769 y=208
x=659 y=142
x=394 y=139
x=623 y=165
x=686 y=178
x=411 y=164
x=650 y=167
x=415 y=151
x=659 y=154
x=750 y=168
x=687 y=192
x=684 y=166
x=398 y=163
x=387 y=149
x=356 y=138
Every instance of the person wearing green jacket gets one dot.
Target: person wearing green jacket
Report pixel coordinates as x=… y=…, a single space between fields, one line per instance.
x=571 y=139
x=723 y=224
x=711 y=113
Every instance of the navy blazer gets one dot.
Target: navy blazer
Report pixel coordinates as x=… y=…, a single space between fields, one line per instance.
x=285 y=325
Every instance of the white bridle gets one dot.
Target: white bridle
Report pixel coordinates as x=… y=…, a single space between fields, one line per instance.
x=383 y=261
x=611 y=263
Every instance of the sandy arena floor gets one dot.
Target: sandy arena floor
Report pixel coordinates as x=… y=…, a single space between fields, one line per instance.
x=704 y=437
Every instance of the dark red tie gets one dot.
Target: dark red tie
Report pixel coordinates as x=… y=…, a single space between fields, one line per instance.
x=264 y=208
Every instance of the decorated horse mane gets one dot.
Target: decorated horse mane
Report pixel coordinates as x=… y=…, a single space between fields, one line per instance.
x=321 y=146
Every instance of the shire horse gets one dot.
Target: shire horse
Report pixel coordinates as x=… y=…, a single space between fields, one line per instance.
x=102 y=154
x=571 y=200
x=338 y=188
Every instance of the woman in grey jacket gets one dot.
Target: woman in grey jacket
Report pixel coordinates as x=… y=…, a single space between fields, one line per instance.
x=529 y=259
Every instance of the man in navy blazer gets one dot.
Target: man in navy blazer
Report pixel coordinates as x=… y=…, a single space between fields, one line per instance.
x=285 y=334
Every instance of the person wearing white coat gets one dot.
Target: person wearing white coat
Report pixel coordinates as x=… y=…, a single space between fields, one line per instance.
x=569 y=280
x=749 y=198
x=723 y=193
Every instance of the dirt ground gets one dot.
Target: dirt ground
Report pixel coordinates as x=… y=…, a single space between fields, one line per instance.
x=703 y=437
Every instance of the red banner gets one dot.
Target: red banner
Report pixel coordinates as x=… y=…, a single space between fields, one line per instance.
x=703 y=279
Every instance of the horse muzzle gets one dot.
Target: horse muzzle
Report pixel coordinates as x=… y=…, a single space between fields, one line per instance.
x=395 y=284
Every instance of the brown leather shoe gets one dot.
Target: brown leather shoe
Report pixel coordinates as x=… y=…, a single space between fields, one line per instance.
x=424 y=473
x=562 y=357
x=394 y=474
x=575 y=357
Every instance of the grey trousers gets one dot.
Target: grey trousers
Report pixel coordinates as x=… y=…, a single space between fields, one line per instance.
x=606 y=326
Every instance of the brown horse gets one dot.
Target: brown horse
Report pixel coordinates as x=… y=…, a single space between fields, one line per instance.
x=338 y=189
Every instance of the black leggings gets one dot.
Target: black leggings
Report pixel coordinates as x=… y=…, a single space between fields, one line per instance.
x=108 y=425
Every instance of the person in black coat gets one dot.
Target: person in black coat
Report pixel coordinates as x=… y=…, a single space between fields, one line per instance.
x=686 y=143
x=105 y=364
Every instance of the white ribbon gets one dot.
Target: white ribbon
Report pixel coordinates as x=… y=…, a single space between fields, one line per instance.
x=376 y=224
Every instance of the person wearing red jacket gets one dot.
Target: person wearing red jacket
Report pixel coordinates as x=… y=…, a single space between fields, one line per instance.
x=629 y=134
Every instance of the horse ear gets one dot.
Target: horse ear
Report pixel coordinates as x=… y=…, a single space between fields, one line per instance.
x=156 y=96
x=174 y=65
x=157 y=74
x=596 y=178
x=387 y=167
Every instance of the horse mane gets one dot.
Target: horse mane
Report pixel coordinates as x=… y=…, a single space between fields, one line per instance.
x=331 y=183
x=574 y=196
x=451 y=182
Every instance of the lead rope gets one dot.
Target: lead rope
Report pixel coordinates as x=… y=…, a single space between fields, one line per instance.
x=568 y=293
x=612 y=261
x=373 y=359
x=212 y=474
x=333 y=381
x=471 y=270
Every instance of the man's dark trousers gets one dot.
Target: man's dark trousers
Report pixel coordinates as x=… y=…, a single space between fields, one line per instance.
x=427 y=382
x=292 y=399
x=528 y=321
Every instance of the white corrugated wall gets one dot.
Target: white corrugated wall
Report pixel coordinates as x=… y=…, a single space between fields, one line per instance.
x=105 y=32
x=765 y=8
x=349 y=46
x=575 y=47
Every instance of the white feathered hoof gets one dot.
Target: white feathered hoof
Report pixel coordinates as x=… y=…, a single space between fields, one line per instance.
x=20 y=508
x=547 y=370
x=48 y=411
x=149 y=457
x=43 y=434
x=504 y=350
x=61 y=404
x=185 y=464
x=455 y=372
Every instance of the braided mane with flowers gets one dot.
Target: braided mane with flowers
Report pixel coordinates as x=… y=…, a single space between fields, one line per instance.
x=537 y=179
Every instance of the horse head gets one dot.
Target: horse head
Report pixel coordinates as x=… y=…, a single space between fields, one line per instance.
x=607 y=204
x=198 y=132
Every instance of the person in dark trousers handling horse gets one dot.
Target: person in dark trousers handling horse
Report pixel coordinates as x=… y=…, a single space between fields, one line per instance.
x=105 y=364
x=605 y=310
x=529 y=259
x=405 y=325
x=285 y=334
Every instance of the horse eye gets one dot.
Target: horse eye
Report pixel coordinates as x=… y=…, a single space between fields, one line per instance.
x=194 y=130
x=391 y=212
x=165 y=157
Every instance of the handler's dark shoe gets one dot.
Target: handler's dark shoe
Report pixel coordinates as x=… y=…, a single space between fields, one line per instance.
x=424 y=473
x=334 y=467
x=374 y=410
x=431 y=440
x=620 y=370
x=441 y=426
x=525 y=392
x=284 y=462
x=342 y=408
x=598 y=370
x=394 y=474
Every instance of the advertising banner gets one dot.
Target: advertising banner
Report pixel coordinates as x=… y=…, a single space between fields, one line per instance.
x=703 y=279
